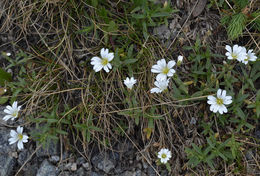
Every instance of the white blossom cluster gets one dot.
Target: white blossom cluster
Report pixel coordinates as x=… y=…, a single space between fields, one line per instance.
x=240 y=54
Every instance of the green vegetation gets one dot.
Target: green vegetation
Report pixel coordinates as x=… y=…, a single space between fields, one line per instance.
x=63 y=98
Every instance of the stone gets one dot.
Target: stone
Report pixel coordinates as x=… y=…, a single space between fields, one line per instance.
x=23 y=156
x=52 y=148
x=4 y=144
x=54 y=159
x=80 y=160
x=47 y=169
x=103 y=162
x=7 y=164
x=150 y=171
x=257 y=134
x=73 y=167
x=162 y=32
x=30 y=170
x=65 y=173
x=86 y=166
x=80 y=172
x=95 y=174
x=129 y=173
x=249 y=155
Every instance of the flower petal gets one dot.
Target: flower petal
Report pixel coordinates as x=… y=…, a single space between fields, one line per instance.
x=171 y=64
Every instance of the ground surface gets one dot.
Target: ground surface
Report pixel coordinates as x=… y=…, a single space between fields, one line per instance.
x=95 y=125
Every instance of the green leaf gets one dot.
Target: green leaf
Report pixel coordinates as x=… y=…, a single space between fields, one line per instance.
x=3 y=100
x=236 y=26
x=4 y=76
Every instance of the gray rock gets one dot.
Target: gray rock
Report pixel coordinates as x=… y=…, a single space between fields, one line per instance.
x=50 y=149
x=47 y=169
x=145 y=166
x=66 y=173
x=4 y=144
x=23 y=156
x=7 y=164
x=162 y=32
x=54 y=159
x=30 y=170
x=80 y=172
x=86 y=166
x=103 y=162
x=129 y=173
x=249 y=155
x=80 y=160
x=257 y=134
x=150 y=171
x=94 y=174
x=73 y=167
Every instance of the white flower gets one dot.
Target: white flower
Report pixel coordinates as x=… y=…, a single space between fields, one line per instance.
x=237 y=53
x=129 y=82
x=161 y=85
x=250 y=56
x=8 y=54
x=163 y=69
x=218 y=104
x=164 y=155
x=179 y=61
x=102 y=62
x=11 y=111
x=18 y=136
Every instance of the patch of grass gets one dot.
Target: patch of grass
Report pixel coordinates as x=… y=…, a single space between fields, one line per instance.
x=65 y=99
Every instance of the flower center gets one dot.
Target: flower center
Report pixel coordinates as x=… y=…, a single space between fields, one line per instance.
x=165 y=70
x=247 y=58
x=14 y=114
x=234 y=55
x=104 y=61
x=20 y=137
x=219 y=101
x=164 y=155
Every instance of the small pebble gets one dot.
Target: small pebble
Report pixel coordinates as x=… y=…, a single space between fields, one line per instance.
x=73 y=167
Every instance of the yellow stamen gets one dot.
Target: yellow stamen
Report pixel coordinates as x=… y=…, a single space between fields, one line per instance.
x=219 y=101
x=104 y=61
x=20 y=136
x=165 y=70
x=15 y=113
x=234 y=55
x=164 y=155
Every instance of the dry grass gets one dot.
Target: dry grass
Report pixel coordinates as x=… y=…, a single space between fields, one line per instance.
x=60 y=79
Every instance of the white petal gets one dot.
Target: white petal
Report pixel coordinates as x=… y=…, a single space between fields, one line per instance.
x=171 y=64
x=110 y=57
x=12 y=140
x=161 y=76
x=171 y=72
x=109 y=65
x=14 y=105
x=25 y=138
x=97 y=68
x=104 y=53
x=156 y=90
x=7 y=117
x=156 y=69
x=219 y=93
x=228 y=48
x=224 y=92
x=20 y=145
x=161 y=63
x=13 y=133
x=9 y=108
x=8 y=111
x=95 y=60
x=106 y=68
x=19 y=130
